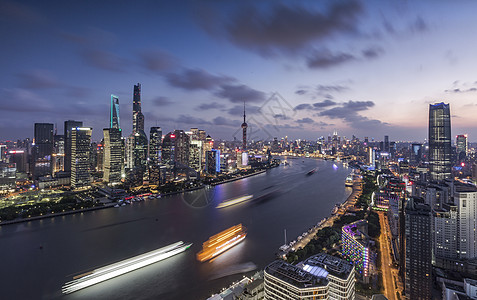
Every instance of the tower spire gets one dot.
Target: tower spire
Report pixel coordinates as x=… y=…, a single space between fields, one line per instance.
x=244 y=111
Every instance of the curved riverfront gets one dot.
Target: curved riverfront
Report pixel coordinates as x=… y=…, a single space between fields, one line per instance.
x=44 y=254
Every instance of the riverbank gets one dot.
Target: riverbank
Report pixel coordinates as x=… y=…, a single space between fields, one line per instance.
x=112 y=204
x=303 y=240
x=240 y=177
x=52 y=215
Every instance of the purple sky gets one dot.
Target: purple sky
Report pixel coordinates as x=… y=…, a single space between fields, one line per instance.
x=304 y=68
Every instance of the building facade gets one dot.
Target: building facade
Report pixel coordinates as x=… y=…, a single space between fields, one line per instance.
x=418 y=262
x=80 y=160
x=440 y=150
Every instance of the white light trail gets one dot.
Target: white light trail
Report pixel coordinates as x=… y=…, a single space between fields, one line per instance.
x=124 y=266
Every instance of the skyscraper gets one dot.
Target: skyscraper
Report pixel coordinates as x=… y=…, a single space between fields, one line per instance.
x=113 y=155
x=43 y=150
x=80 y=149
x=181 y=153
x=69 y=125
x=113 y=146
x=138 y=117
x=137 y=141
x=114 y=115
x=461 y=146
x=439 y=142
x=418 y=283
x=244 y=131
x=155 y=143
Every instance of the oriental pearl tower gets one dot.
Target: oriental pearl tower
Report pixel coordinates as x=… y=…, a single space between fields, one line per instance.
x=244 y=129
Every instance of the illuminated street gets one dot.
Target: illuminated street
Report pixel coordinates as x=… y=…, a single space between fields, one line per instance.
x=386 y=260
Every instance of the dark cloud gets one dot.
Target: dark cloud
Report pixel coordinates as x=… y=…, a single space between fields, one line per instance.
x=196 y=79
x=458 y=90
x=212 y=105
x=20 y=13
x=187 y=119
x=281 y=117
x=303 y=106
x=316 y=105
x=300 y=92
x=284 y=28
x=237 y=110
x=419 y=25
x=77 y=92
x=38 y=79
x=22 y=100
x=326 y=59
x=161 y=101
x=348 y=112
x=104 y=60
x=226 y=122
x=305 y=121
x=331 y=88
x=157 y=60
x=373 y=52
x=325 y=103
x=239 y=93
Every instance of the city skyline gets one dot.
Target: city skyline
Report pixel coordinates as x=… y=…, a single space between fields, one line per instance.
x=362 y=68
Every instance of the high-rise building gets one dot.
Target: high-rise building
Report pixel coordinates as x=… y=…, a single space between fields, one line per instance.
x=114 y=115
x=386 y=144
x=356 y=246
x=43 y=151
x=138 y=117
x=69 y=125
x=168 y=148
x=461 y=146
x=113 y=165
x=181 y=153
x=155 y=143
x=244 y=131
x=137 y=141
x=212 y=163
x=80 y=160
x=321 y=276
x=113 y=158
x=155 y=146
x=58 y=158
x=440 y=151
x=195 y=155
x=418 y=264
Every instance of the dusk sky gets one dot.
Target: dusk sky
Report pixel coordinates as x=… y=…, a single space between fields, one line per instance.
x=304 y=68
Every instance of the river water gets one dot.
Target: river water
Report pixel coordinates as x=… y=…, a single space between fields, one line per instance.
x=38 y=257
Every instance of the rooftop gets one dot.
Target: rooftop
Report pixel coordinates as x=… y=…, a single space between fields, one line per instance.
x=294 y=275
x=333 y=265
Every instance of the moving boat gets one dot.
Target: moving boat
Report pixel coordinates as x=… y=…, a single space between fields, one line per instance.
x=311 y=172
x=234 y=201
x=349 y=181
x=110 y=271
x=221 y=242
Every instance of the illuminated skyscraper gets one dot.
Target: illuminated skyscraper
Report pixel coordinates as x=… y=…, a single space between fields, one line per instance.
x=69 y=125
x=137 y=141
x=114 y=115
x=418 y=263
x=43 y=151
x=138 y=117
x=113 y=146
x=440 y=154
x=155 y=143
x=80 y=160
x=461 y=146
x=244 y=131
